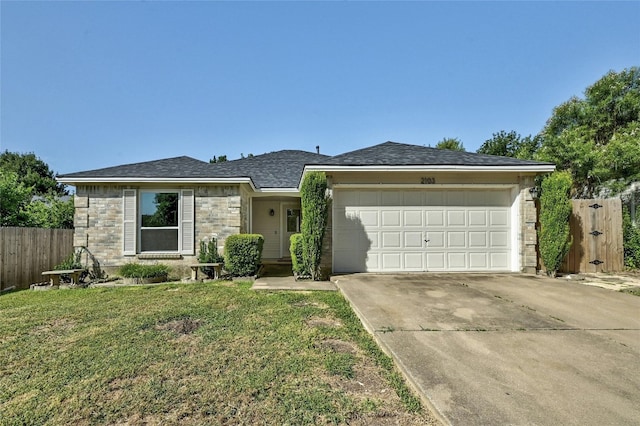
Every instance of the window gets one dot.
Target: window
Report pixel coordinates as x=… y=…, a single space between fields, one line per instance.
x=159 y=221
x=293 y=220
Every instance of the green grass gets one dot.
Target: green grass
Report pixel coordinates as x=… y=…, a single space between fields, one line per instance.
x=211 y=353
x=634 y=290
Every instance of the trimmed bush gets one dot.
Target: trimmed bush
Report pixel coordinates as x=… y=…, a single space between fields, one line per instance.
x=136 y=270
x=296 y=254
x=315 y=211
x=243 y=254
x=555 y=210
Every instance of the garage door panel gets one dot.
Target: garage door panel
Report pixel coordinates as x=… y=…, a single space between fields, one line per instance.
x=456 y=218
x=435 y=261
x=477 y=218
x=499 y=239
x=391 y=261
x=413 y=218
x=385 y=230
x=478 y=260
x=391 y=240
x=457 y=261
x=499 y=260
x=412 y=239
x=413 y=261
x=368 y=217
x=434 y=218
x=372 y=240
x=436 y=239
x=456 y=239
x=499 y=217
x=477 y=239
x=390 y=218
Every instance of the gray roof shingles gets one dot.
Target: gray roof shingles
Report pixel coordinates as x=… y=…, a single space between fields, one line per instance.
x=283 y=169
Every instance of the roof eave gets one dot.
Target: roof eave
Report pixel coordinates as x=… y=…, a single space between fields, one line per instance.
x=163 y=180
x=539 y=168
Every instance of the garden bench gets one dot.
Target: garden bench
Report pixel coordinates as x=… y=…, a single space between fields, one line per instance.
x=196 y=267
x=54 y=276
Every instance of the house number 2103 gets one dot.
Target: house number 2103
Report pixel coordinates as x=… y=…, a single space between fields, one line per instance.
x=427 y=180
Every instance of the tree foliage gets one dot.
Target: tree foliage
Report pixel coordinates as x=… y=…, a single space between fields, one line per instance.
x=597 y=138
x=30 y=196
x=315 y=211
x=32 y=172
x=14 y=198
x=555 y=210
x=511 y=144
x=219 y=159
x=452 y=144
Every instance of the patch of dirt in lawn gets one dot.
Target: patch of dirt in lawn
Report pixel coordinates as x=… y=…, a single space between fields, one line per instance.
x=56 y=326
x=336 y=345
x=306 y=303
x=323 y=322
x=182 y=326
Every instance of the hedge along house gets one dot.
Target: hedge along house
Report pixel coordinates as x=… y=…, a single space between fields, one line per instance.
x=395 y=208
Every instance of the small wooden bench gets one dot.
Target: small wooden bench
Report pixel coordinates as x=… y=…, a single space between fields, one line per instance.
x=54 y=276
x=195 y=268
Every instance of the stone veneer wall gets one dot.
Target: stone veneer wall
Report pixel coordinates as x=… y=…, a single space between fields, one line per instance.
x=528 y=233
x=220 y=211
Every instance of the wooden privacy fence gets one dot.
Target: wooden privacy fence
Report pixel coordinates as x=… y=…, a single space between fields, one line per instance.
x=596 y=227
x=26 y=252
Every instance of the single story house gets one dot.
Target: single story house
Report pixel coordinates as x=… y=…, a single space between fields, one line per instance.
x=395 y=208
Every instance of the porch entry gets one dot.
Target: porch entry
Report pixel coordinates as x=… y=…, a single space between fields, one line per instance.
x=276 y=220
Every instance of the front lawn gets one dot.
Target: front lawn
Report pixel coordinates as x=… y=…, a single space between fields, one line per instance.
x=215 y=353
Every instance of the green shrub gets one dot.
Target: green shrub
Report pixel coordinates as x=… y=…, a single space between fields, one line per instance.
x=631 y=242
x=296 y=254
x=209 y=254
x=243 y=254
x=74 y=261
x=315 y=211
x=136 y=270
x=555 y=210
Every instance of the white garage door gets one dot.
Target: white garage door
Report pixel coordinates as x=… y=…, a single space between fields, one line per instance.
x=422 y=230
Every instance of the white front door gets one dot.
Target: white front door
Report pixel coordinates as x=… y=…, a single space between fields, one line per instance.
x=290 y=224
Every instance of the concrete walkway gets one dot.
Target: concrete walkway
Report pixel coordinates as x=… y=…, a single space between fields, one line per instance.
x=289 y=283
x=507 y=349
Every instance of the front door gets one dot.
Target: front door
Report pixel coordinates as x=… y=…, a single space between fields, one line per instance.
x=290 y=215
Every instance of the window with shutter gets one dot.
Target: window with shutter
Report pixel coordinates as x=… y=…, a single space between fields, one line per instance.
x=187 y=228
x=130 y=232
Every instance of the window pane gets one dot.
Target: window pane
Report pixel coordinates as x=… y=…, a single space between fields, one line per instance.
x=293 y=220
x=159 y=240
x=159 y=209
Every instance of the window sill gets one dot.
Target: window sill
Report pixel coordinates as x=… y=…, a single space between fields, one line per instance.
x=159 y=256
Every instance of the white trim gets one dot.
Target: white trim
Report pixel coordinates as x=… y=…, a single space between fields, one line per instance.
x=516 y=234
x=129 y=180
x=425 y=187
x=428 y=168
x=278 y=190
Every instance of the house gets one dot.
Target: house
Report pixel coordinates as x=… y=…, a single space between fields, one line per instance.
x=395 y=208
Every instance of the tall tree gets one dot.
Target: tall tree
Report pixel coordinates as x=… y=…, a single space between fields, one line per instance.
x=32 y=172
x=511 y=145
x=14 y=198
x=597 y=138
x=452 y=144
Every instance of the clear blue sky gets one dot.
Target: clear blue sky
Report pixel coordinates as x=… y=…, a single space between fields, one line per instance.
x=86 y=85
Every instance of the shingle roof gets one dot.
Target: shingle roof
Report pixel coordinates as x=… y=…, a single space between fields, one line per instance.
x=399 y=154
x=176 y=167
x=283 y=169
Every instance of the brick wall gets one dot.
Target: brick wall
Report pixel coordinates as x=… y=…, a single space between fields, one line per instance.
x=99 y=223
x=528 y=234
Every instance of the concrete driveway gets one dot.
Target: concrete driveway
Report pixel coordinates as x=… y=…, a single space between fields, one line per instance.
x=508 y=349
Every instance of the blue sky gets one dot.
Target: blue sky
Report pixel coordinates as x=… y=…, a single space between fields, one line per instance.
x=86 y=85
